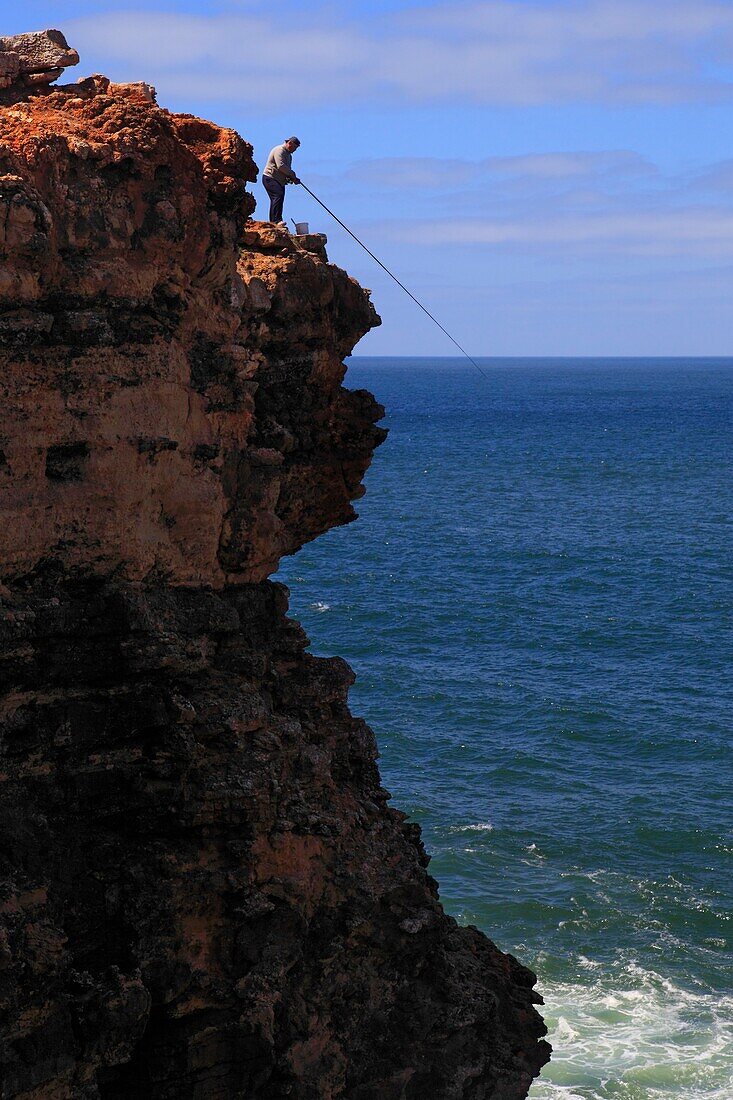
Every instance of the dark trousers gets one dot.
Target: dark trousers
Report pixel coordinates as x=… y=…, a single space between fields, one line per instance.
x=276 y=191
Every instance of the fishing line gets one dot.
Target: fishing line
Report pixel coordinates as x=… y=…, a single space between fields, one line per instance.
x=399 y=284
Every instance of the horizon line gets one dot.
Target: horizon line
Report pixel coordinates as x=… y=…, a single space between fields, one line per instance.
x=561 y=358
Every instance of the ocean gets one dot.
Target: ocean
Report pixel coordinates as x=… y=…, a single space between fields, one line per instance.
x=537 y=600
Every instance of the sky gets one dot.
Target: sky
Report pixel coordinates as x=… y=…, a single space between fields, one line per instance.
x=550 y=177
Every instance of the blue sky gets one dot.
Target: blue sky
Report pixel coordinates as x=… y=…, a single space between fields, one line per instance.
x=551 y=177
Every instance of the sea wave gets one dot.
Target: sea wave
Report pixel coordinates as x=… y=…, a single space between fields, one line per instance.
x=635 y=1036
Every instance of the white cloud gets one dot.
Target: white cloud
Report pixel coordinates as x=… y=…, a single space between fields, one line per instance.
x=569 y=205
x=690 y=233
x=541 y=169
x=501 y=51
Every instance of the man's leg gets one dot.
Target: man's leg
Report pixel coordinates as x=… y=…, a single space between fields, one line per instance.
x=276 y=191
x=276 y=204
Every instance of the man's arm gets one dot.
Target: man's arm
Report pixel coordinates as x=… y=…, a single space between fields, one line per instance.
x=282 y=163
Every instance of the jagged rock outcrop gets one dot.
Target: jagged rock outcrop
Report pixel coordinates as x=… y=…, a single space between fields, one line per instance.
x=205 y=893
x=39 y=57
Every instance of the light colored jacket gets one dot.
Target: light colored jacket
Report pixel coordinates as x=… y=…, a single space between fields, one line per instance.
x=278 y=165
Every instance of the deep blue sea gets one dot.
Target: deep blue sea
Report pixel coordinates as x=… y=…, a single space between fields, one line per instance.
x=538 y=603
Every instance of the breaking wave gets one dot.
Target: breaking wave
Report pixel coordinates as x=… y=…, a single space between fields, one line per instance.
x=638 y=1037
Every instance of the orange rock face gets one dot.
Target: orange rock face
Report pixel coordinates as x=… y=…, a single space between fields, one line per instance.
x=135 y=335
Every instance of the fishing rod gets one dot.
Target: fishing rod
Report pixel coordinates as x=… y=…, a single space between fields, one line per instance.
x=394 y=277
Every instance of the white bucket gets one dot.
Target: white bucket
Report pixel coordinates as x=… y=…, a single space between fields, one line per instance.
x=301 y=228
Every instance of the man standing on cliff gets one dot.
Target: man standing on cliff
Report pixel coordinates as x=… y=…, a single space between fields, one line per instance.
x=277 y=173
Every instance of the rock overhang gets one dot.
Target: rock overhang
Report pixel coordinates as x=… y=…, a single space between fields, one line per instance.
x=192 y=354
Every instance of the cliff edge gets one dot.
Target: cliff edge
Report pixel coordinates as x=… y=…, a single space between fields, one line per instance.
x=204 y=891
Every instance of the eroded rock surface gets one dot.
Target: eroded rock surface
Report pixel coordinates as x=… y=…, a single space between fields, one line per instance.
x=205 y=893
x=134 y=342
x=35 y=58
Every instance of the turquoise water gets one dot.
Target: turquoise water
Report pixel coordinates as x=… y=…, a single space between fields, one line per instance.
x=538 y=603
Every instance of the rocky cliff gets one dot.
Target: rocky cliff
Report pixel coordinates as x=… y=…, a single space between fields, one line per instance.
x=204 y=891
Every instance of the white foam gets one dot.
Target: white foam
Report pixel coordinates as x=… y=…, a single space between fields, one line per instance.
x=320 y=606
x=480 y=827
x=635 y=1035
x=534 y=851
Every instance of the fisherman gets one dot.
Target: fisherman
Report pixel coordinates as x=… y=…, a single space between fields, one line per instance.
x=277 y=173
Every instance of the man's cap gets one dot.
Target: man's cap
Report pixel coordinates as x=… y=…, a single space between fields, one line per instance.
x=293 y=139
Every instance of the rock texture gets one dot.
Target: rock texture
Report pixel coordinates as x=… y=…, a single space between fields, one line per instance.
x=36 y=58
x=205 y=893
x=136 y=339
